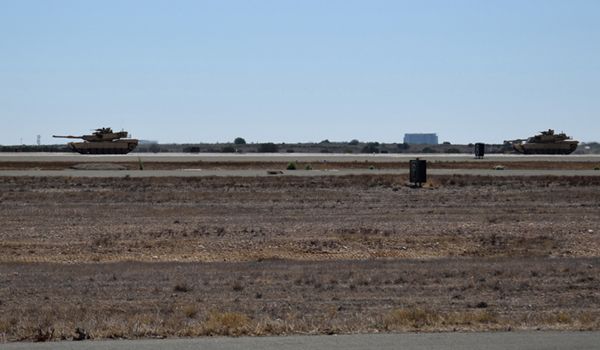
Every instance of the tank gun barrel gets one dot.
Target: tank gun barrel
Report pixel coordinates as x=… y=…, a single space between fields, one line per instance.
x=515 y=141
x=67 y=137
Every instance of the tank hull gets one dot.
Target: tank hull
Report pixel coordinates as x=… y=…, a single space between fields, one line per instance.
x=115 y=147
x=539 y=148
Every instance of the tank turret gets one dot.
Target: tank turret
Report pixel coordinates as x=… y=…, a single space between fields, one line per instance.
x=102 y=141
x=546 y=142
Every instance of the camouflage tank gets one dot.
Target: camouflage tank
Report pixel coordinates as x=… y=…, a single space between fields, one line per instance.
x=547 y=142
x=103 y=141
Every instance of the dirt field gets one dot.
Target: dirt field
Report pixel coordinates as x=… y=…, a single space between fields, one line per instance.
x=145 y=257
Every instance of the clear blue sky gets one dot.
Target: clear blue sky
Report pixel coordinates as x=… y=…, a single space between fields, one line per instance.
x=290 y=71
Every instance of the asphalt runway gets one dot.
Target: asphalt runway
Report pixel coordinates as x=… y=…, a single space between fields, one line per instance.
x=259 y=173
x=182 y=158
x=409 y=341
x=282 y=157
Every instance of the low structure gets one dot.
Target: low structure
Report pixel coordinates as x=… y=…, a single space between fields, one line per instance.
x=421 y=139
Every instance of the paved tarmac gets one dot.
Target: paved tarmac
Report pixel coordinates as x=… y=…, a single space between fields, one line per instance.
x=410 y=341
x=260 y=173
x=281 y=157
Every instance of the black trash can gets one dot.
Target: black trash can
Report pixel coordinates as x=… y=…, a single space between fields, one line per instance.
x=418 y=172
x=479 y=150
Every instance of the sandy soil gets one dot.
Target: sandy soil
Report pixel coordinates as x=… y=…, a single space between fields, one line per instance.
x=281 y=255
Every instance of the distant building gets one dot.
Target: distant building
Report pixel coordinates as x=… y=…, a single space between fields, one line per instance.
x=421 y=139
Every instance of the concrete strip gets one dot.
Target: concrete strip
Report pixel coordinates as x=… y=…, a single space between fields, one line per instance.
x=283 y=157
x=256 y=172
x=410 y=341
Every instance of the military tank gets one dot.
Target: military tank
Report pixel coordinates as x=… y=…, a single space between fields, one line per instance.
x=102 y=141
x=547 y=142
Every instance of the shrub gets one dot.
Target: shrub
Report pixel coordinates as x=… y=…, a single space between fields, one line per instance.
x=403 y=146
x=428 y=150
x=192 y=149
x=182 y=287
x=154 y=148
x=239 y=141
x=228 y=149
x=353 y=142
x=291 y=166
x=371 y=147
x=237 y=286
x=308 y=167
x=269 y=147
x=190 y=311
x=452 y=150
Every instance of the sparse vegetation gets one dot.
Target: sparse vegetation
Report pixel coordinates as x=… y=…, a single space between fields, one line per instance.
x=342 y=248
x=268 y=148
x=382 y=285
x=371 y=147
x=228 y=149
x=192 y=149
x=154 y=148
x=403 y=147
x=190 y=311
x=237 y=286
x=412 y=318
x=182 y=287
x=226 y=323
x=428 y=149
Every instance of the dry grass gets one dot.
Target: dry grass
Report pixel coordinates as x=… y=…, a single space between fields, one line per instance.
x=308 y=255
x=134 y=300
x=423 y=319
x=245 y=219
x=226 y=323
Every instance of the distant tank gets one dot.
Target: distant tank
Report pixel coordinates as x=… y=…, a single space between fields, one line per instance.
x=103 y=141
x=547 y=142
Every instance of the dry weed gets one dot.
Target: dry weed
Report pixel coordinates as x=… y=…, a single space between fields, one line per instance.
x=226 y=323
x=418 y=318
